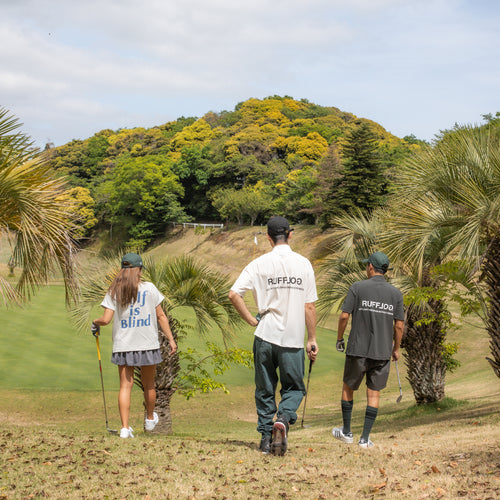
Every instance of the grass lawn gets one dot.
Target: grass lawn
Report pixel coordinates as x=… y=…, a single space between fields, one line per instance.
x=54 y=444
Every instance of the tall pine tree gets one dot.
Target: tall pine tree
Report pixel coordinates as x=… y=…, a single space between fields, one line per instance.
x=362 y=182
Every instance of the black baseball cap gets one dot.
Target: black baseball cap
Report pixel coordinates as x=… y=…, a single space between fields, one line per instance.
x=278 y=225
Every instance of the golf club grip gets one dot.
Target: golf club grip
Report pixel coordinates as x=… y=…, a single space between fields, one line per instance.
x=313 y=349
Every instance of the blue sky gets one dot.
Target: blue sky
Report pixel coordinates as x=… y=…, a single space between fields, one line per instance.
x=69 y=68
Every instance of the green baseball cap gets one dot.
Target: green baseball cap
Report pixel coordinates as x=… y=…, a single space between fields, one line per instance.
x=378 y=260
x=131 y=260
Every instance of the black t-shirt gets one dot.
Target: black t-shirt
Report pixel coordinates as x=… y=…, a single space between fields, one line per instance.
x=374 y=305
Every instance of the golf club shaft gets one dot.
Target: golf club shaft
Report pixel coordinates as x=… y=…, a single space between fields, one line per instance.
x=399 y=380
x=307 y=391
x=102 y=381
x=313 y=348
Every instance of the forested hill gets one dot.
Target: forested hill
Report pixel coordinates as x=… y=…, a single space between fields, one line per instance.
x=277 y=155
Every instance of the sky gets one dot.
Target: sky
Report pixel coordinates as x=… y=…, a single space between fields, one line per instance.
x=70 y=68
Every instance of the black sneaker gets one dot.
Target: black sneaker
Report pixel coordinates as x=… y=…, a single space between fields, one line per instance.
x=280 y=434
x=265 y=444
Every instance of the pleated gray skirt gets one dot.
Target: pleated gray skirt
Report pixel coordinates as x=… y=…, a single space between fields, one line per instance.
x=137 y=358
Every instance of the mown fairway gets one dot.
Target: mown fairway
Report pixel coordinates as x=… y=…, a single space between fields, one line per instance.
x=54 y=444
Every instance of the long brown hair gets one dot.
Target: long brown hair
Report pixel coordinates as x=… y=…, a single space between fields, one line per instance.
x=125 y=286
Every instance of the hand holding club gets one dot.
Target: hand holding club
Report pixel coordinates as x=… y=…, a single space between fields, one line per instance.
x=340 y=345
x=95 y=329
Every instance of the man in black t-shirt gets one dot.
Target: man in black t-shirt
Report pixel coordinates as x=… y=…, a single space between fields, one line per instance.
x=376 y=331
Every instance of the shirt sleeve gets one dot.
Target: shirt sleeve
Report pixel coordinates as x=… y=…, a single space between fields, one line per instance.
x=244 y=282
x=399 y=310
x=108 y=302
x=349 y=302
x=158 y=296
x=311 y=294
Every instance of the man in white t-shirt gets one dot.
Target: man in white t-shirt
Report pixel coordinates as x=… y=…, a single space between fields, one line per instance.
x=284 y=290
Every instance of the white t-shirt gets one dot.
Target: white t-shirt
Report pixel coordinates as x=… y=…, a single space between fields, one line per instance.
x=135 y=328
x=282 y=282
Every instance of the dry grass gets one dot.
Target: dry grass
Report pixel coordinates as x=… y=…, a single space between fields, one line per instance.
x=446 y=451
x=415 y=463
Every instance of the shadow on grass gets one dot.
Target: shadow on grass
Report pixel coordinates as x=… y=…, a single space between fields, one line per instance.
x=232 y=444
x=447 y=410
x=397 y=418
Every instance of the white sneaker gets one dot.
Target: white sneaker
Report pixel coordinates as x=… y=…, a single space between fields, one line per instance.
x=149 y=425
x=338 y=433
x=365 y=444
x=126 y=433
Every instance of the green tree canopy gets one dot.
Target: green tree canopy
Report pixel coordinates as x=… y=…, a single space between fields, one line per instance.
x=142 y=197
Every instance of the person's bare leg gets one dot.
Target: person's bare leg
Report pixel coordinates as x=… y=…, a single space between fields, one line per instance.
x=124 y=395
x=148 y=382
x=347 y=393
x=372 y=397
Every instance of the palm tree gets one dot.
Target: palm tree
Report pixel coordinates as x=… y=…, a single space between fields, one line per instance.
x=37 y=224
x=427 y=319
x=184 y=283
x=459 y=181
x=427 y=316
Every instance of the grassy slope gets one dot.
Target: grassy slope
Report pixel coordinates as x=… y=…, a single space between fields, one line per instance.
x=53 y=440
x=230 y=251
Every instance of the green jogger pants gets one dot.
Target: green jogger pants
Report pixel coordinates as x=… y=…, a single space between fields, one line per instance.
x=268 y=359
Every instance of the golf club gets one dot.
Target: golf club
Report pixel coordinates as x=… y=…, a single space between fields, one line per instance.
x=111 y=431
x=313 y=348
x=400 y=397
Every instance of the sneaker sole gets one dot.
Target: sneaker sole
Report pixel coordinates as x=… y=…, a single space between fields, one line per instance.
x=149 y=425
x=279 y=444
x=366 y=446
x=343 y=438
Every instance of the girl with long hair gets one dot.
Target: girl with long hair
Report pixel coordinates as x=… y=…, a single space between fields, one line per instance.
x=136 y=308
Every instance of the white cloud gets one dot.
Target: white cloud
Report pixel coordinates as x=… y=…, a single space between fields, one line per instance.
x=70 y=68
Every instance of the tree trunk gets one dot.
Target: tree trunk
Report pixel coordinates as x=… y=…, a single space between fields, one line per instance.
x=491 y=275
x=423 y=344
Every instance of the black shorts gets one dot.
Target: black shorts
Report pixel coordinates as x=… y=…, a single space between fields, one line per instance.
x=376 y=370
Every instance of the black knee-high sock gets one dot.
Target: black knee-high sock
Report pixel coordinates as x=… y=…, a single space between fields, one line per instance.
x=370 y=416
x=346 y=415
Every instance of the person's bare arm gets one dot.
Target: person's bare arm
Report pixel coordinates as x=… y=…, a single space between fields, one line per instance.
x=310 y=312
x=165 y=328
x=239 y=304
x=398 y=335
x=343 y=320
x=105 y=319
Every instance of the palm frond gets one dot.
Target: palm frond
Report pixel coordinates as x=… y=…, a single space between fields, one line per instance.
x=354 y=235
x=30 y=210
x=355 y=238
x=187 y=283
x=338 y=278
